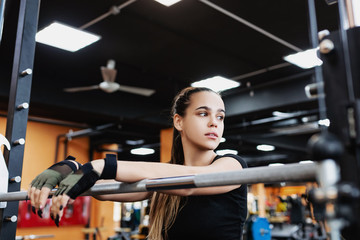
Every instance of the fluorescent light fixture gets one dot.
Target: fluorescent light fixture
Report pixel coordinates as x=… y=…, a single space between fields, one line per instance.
x=305 y=119
x=226 y=151
x=168 y=3
x=217 y=83
x=305 y=59
x=324 y=122
x=142 y=151
x=306 y=162
x=265 y=147
x=275 y=164
x=282 y=114
x=65 y=37
x=135 y=142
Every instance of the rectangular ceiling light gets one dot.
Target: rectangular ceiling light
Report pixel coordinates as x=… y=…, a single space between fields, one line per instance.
x=306 y=59
x=265 y=147
x=142 y=151
x=168 y=3
x=65 y=37
x=226 y=151
x=217 y=83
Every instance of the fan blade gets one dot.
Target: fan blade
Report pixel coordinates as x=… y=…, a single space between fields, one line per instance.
x=80 y=89
x=136 y=90
x=108 y=74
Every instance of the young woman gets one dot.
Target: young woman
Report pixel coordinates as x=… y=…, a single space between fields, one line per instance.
x=198 y=213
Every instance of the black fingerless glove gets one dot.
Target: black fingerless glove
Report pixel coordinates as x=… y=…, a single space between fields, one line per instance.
x=78 y=182
x=83 y=179
x=59 y=167
x=55 y=174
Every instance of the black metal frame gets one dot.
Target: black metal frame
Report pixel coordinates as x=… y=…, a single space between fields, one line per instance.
x=20 y=90
x=342 y=103
x=344 y=113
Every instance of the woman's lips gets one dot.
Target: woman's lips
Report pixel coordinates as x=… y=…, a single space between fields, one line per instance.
x=211 y=135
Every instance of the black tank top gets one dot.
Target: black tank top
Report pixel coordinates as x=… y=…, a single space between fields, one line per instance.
x=212 y=217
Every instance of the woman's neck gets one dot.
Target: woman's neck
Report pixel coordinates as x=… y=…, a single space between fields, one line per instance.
x=198 y=158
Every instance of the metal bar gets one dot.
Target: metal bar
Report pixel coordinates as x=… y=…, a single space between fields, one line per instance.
x=2 y=17
x=113 y=11
x=88 y=132
x=51 y=121
x=20 y=90
x=34 y=236
x=318 y=69
x=285 y=173
x=260 y=71
x=285 y=92
x=253 y=26
x=345 y=48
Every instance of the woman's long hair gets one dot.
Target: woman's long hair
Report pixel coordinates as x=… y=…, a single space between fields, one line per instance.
x=164 y=208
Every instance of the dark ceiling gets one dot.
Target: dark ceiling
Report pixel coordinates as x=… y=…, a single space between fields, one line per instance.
x=167 y=48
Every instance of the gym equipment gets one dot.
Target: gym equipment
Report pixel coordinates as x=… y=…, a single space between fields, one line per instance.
x=4 y=174
x=34 y=237
x=258 y=228
x=340 y=95
x=326 y=173
x=17 y=115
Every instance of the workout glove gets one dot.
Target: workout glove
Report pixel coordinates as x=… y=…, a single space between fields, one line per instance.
x=55 y=174
x=77 y=183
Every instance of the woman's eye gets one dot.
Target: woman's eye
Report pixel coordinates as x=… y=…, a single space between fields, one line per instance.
x=220 y=117
x=203 y=114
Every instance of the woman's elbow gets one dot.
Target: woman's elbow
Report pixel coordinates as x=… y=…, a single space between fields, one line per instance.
x=99 y=197
x=185 y=192
x=104 y=197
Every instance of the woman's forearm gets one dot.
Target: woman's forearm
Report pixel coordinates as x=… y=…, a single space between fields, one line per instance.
x=124 y=197
x=131 y=171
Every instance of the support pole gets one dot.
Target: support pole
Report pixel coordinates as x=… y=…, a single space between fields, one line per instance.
x=19 y=97
x=251 y=25
x=2 y=11
x=341 y=82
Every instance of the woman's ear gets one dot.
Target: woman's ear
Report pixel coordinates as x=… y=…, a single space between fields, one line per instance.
x=177 y=121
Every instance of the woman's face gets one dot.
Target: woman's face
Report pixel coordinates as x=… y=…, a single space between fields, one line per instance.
x=203 y=123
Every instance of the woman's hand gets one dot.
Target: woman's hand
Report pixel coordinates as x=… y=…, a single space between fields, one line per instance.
x=41 y=186
x=58 y=204
x=71 y=187
x=77 y=183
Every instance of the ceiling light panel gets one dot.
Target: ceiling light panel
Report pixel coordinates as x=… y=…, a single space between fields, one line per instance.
x=306 y=59
x=167 y=3
x=265 y=147
x=226 y=151
x=65 y=37
x=142 y=151
x=217 y=83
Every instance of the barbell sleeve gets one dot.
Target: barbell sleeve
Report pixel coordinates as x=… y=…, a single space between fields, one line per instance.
x=284 y=173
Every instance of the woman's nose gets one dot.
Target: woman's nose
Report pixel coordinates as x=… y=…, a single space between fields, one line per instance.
x=213 y=122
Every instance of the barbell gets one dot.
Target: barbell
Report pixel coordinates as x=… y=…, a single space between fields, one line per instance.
x=325 y=172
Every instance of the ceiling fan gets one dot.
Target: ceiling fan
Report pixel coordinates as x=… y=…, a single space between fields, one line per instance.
x=109 y=85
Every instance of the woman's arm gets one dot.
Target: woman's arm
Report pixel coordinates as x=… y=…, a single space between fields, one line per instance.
x=128 y=171
x=124 y=197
